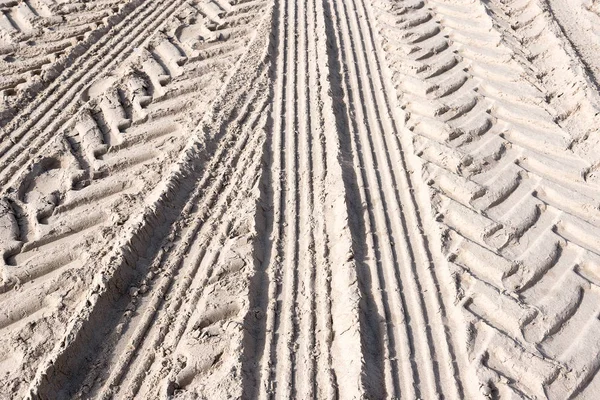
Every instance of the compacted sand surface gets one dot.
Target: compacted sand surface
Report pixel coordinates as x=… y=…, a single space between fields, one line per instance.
x=277 y=199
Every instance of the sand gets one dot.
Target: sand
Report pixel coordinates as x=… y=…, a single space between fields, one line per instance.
x=337 y=199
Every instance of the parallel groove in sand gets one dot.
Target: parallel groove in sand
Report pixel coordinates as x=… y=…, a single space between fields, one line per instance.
x=145 y=334
x=199 y=239
x=409 y=258
x=299 y=255
x=292 y=251
x=53 y=38
x=282 y=373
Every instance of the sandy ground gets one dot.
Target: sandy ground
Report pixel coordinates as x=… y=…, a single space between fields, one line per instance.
x=276 y=199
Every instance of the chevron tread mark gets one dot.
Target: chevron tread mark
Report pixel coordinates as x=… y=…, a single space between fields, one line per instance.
x=510 y=188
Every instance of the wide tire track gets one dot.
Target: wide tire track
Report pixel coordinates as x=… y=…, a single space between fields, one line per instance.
x=72 y=203
x=401 y=343
x=509 y=192
x=300 y=356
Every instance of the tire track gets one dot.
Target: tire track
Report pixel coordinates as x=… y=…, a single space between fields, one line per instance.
x=290 y=229
x=493 y=170
x=324 y=199
x=38 y=40
x=197 y=237
x=285 y=370
x=122 y=132
x=43 y=114
x=298 y=348
x=109 y=296
x=559 y=68
x=391 y=347
x=404 y=257
x=194 y=241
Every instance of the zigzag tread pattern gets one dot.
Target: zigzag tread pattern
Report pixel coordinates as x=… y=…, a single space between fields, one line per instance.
x=537 y=38
x=516 y=204
x=39 y=39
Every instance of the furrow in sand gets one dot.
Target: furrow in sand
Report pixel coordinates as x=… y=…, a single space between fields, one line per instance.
x=324 y=379
x=306 y=383
x=399 y=324
x=272 y=260
x=287 y=318
x=406 y=354
x=405 y=263
x=376 y=344
x=281 y=372
x=190 y=266
x=163 y=323
x=296 y=352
